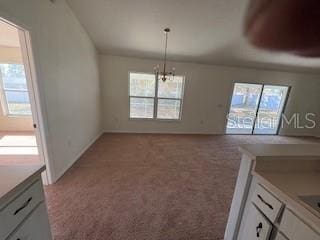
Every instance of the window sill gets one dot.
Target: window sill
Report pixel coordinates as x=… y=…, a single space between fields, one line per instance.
x=155 y=119
x=18 y=116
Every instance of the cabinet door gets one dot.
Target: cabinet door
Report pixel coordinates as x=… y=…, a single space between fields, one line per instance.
x=280 y=237
x=296 y=229
x=35 y=227
x=256 y=226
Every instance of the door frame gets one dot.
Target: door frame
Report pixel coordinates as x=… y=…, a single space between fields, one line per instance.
x=257 y=109
x=34 y=96
x=258 y=106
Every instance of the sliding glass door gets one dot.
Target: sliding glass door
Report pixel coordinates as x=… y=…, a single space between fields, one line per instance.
x=256 y=108
x=270 y=109
x=243 y=109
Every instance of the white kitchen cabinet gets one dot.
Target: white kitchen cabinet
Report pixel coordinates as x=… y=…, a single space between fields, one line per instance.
x=267 y=203
x=271 y=183
x=23 y=213
x=256 y=226
x=35 y=227
x=296 y=229
x=261 y=215
x=280 y=237
x=14 y=213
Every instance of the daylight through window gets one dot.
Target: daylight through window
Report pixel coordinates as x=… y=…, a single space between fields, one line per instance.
x=14 y=92
x=151 y=99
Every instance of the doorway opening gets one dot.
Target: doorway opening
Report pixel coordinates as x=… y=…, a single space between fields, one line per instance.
x=256 y=108
x=22 y=140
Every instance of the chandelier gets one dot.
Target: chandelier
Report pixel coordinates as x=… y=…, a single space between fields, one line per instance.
x=164 y=74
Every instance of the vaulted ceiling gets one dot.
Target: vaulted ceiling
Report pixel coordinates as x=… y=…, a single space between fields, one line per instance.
x=203 y=31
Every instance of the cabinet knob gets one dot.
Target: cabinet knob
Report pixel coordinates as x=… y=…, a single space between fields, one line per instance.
x=26 y=203
x=265 y=202
x=258 y=229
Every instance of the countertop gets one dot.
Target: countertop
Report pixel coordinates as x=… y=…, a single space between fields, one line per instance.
x=289 y=171
x=293 y=151
x=12 y=177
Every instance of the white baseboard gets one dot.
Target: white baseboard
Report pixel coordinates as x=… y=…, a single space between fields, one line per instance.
x=88 y=145
x=201 y=133
x=163 y=132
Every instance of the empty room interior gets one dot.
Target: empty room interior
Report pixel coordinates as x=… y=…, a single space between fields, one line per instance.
x=18 y=145
x=159 y=120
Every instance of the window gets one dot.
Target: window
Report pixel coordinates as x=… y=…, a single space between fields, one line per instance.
x=15 y=96
x=256 y=108
x=151 y=99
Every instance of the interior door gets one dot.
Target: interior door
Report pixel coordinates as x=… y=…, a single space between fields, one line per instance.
x=270 y=109
x=28 y=62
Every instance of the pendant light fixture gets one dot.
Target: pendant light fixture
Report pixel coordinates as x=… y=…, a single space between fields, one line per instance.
x=164 y=74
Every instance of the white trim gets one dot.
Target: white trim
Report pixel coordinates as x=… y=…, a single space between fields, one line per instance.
x=201 y=133
x=76 y=158
x=3 y=100
x=164 y=132
x=34 y=97
x=239 y=199
x=156 y=98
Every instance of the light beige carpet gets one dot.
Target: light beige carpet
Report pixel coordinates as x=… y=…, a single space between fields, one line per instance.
x=149 y=187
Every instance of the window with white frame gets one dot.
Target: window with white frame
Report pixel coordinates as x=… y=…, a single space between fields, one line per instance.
x=14 y=92
x=151 y=99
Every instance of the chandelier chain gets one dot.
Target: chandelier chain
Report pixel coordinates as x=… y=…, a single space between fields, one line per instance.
x=164 y=75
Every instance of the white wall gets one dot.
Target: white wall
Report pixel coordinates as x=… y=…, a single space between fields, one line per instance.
x=207 y=95
x=68 y=76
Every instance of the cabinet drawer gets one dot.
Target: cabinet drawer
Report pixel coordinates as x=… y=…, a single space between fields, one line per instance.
x=267 y=203
x=295 y=229
x=35 y=227
x=14 y=213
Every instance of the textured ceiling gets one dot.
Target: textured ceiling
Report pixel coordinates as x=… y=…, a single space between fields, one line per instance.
x=203 y=31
